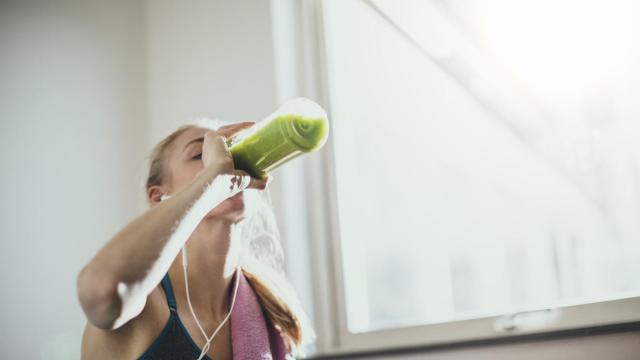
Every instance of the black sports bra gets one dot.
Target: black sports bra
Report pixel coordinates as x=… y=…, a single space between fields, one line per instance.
x=174 y=342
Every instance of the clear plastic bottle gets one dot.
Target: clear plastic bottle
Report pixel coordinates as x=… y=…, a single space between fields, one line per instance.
x=297 y=127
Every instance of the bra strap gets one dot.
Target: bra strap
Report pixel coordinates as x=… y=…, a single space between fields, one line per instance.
x=168 y=290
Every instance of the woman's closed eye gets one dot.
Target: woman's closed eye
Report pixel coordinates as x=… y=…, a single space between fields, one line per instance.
x=197 y=157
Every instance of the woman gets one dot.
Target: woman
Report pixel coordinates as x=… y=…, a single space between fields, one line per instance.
x=133 y=315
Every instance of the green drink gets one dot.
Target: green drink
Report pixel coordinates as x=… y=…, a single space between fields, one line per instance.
x=300 y=126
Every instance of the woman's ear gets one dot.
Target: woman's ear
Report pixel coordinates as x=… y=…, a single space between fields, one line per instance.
x=154 y=193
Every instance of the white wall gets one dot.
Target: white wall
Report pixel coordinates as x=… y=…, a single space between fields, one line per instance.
x=208 y=58
x=71 y=116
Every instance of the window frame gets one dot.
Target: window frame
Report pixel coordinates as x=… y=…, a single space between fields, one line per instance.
x=330 y=318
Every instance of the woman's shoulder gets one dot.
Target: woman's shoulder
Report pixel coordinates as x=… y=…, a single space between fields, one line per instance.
x=131 y=339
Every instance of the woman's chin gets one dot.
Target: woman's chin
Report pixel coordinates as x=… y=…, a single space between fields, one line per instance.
x=232 y=209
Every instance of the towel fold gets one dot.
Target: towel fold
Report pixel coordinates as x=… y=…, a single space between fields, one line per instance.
x=253 y=336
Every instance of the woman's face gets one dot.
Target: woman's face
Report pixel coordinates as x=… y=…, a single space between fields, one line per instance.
x=184 y=163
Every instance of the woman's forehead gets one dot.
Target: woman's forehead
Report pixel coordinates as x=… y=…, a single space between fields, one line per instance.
x=197 y=131
x=185 y=138
x=190 y=134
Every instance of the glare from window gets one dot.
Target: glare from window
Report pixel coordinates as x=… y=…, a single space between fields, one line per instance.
x=486 y=156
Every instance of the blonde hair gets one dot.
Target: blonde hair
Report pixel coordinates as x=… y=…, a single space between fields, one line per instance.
x=261 y=256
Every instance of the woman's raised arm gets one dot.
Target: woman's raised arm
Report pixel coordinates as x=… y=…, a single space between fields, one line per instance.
x=113 y=287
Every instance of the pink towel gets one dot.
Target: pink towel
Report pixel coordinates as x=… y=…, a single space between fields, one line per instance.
x=253 y=336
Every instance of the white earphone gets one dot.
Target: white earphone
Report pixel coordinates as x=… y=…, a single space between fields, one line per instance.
x=208 y=339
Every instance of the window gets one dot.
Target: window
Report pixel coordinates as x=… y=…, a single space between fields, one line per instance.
x=485 y=165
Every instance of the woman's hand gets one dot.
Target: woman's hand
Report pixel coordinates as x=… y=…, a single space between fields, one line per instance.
x=215 y=153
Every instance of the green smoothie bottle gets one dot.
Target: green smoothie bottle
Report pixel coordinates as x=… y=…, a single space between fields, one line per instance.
x=297 y=127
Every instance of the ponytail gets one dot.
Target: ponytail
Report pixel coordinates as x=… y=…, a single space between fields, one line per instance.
x=277 y=311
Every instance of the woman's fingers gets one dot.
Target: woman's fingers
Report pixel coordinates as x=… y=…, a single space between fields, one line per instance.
x=259 y=184
x=216 y=153
x=231 y=129
x=254 y=183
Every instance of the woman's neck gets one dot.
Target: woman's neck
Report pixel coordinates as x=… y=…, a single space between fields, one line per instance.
x=207 y=250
